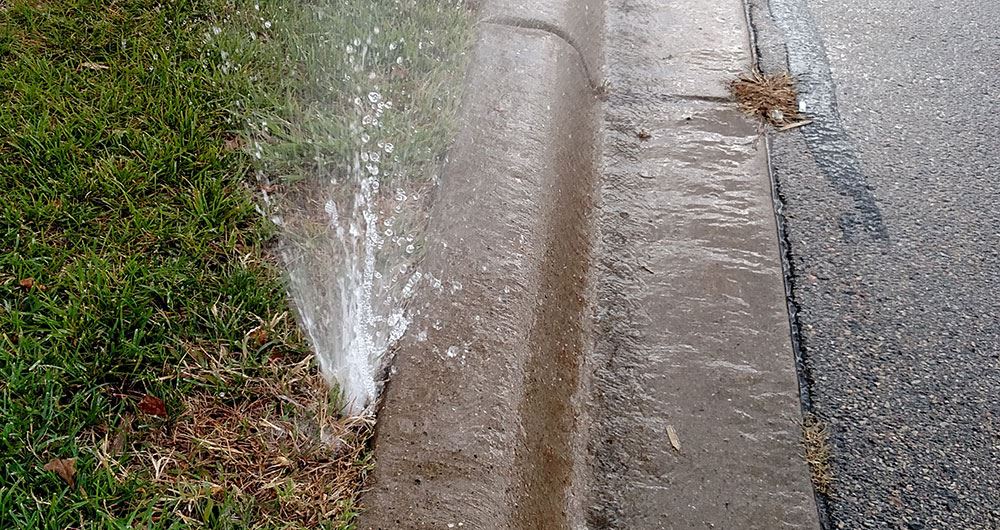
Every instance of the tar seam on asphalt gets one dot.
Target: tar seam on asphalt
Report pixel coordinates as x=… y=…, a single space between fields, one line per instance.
x=828 y=142
x=802 y=370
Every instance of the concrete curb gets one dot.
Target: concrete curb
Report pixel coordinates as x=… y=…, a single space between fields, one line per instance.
x=512 y=406
x=481 y=422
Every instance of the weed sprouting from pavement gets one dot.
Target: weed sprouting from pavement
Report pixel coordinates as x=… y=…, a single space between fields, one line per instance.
x=815 y=437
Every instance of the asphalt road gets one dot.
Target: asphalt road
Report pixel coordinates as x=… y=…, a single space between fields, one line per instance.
x=891 y=202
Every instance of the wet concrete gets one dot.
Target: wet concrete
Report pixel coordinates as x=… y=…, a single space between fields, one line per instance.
x=693 y=329
x=481 y=421
x=580 y=23
x=592 y=281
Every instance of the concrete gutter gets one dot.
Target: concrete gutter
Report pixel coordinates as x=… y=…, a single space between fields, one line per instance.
x=480 y=425
x=510 y=405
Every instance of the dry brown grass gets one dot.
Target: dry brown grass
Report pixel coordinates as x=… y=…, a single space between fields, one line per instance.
x=771 y=98
x=274 y=454
x=817 y=446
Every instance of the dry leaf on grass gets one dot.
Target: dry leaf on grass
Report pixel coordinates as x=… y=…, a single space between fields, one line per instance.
x=65 y=468
x=29 y=282
x=153 y=406
x=94 y=66
x=233 y=143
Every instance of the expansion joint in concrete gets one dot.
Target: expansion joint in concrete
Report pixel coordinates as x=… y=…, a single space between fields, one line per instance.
x=551 y=29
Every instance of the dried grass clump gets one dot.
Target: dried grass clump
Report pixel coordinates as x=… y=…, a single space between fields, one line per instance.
x=771 y=98
x=276 y=453
x=816 y=440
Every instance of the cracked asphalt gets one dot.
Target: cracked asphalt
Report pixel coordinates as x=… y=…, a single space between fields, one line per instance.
x=891 y=203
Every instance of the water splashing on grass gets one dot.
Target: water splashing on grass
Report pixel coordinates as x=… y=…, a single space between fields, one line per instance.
x=350 y=160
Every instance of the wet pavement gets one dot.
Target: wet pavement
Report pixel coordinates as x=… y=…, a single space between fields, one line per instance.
x=892 y=209
x=696 y=404
x=603 y=338
x=481 y=424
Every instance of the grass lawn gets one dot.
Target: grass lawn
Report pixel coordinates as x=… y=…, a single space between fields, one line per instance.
x=151 y=371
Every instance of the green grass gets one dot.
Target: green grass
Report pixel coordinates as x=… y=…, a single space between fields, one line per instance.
x=130 y=134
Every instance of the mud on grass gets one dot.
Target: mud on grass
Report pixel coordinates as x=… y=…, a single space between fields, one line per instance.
x=145 y=337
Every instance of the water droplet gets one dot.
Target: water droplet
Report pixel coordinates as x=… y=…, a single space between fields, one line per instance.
x=374 y=97
x=389 y=148
x=372 y=168
x=452 y=351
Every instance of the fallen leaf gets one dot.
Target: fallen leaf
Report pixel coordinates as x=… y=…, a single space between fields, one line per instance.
x=65 y=468
x=259 y=336
x=27 y=283
x=117 y=441
x=153 y=406
x=674 y=440
x=233 y=143
x=94 y=66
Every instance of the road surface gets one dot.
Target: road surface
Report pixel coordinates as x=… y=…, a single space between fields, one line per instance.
x=892 y=220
